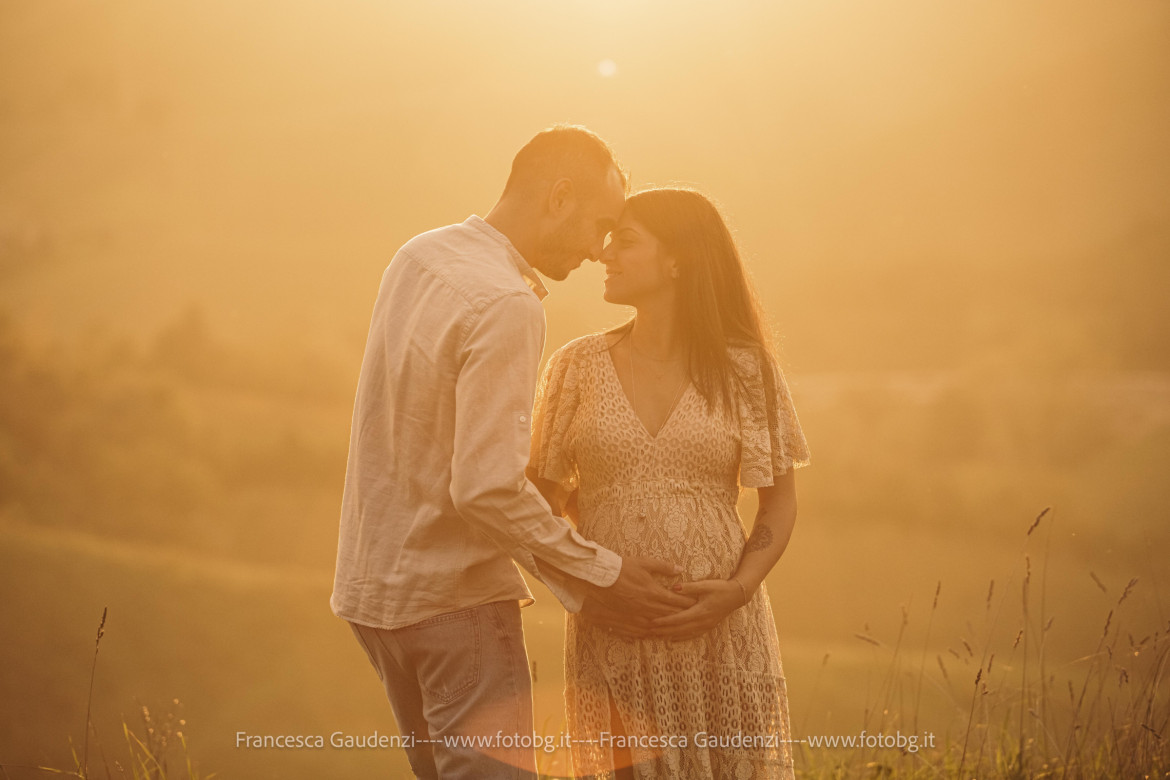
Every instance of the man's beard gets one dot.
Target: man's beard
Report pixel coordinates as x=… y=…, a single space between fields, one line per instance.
x=558 y=257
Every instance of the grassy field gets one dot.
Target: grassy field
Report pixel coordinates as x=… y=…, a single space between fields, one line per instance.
x=196 y=497
x=254 y=649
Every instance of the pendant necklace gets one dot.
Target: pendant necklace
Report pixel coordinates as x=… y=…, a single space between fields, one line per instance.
x=634 y=389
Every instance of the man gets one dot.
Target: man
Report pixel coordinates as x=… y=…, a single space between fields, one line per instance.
x=436 y=506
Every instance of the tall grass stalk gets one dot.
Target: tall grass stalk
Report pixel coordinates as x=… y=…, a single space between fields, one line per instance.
x=89 y=700
x=1113 y=723
x=926 y=651
x=147 y=758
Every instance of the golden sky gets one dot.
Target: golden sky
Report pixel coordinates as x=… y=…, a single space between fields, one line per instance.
x=262 y=160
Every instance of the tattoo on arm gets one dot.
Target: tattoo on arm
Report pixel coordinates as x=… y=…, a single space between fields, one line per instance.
x=761 y=539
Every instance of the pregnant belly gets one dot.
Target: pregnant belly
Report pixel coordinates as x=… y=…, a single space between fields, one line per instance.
x=702 y=536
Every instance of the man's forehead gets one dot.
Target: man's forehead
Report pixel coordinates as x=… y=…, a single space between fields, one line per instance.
x=614 y=198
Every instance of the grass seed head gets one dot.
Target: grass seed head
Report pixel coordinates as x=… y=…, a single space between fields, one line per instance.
x=1128 y=588
x=1036 y=522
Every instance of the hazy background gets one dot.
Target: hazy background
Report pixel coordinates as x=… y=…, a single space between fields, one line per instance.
x=958 y=215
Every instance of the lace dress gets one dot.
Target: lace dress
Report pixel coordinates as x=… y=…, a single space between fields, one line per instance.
x=671 y=496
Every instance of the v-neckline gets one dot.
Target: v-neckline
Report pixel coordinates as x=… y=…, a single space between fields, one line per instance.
x=630 y=405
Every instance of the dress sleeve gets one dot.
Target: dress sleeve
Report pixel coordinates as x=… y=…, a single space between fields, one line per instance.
x=771 y=440
x=557 y=395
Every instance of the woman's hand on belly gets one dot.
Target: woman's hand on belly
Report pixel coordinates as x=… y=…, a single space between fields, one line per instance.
x=716 y=599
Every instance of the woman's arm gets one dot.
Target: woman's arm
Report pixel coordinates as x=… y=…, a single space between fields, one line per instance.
x=775 y=520
x=717 y=599
x=562 y=502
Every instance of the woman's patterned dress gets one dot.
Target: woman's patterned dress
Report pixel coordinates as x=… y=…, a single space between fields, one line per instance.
x=671 y=496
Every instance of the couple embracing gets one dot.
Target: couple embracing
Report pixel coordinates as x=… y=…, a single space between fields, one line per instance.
x=613 y=481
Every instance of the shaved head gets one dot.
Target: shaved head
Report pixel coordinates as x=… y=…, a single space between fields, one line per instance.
x=562 y=152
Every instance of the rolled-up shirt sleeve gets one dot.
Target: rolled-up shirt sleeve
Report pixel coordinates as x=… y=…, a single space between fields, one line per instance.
x=493 y=417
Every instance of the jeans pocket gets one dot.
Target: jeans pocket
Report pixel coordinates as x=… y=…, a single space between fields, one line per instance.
x=446 y=649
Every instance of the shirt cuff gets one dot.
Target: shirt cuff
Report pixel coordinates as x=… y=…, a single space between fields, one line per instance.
x=569 y=590
x=606 y=568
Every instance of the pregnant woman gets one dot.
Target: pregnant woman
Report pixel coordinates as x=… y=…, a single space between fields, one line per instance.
x=644 y=436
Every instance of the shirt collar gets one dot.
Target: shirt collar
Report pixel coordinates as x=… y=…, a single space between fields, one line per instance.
x=527 y=271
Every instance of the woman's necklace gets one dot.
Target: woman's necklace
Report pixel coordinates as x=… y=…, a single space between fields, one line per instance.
x=651 y=357
x=668 y=362
x=634 y=389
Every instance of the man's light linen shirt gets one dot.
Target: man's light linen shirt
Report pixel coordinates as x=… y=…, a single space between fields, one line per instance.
x=436 y=505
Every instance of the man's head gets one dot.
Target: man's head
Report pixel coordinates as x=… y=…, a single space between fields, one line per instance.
x=566 y=181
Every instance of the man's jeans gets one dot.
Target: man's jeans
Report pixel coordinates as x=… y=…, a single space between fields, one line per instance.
x=462 y=674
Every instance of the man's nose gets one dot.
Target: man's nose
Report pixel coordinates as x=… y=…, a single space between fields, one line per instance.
x=597 y=251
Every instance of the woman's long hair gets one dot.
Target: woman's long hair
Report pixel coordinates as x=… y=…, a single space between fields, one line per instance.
x=717 y=304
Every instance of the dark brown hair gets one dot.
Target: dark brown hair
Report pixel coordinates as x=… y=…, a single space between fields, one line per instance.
x=717 y=304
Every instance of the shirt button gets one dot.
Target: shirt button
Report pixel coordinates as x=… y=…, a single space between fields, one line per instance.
x=523 y=418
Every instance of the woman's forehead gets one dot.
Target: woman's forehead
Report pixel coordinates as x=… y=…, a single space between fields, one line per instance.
x=627 y=222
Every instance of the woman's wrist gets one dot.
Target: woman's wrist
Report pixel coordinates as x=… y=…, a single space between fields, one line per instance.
x=742 y=589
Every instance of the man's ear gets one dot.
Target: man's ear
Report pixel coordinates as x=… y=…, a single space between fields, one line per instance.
x=561 y=197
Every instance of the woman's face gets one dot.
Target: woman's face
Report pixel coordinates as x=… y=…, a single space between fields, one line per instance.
x=636 y=266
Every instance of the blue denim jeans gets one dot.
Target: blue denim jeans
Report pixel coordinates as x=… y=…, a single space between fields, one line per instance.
x=459 y=675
